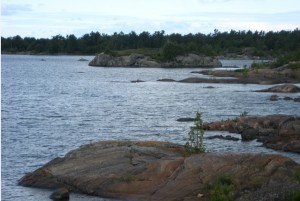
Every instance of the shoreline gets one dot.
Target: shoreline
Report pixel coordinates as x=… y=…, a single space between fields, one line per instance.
x=220 y=57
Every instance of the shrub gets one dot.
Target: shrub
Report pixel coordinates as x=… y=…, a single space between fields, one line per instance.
x=222 y=189
x=171 y=50
x=295 y=196
x=195 y=137
x=110 y=52
x=245 y=72
x=243 y=114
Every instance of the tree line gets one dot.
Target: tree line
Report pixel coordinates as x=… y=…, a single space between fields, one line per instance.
x=252 y=43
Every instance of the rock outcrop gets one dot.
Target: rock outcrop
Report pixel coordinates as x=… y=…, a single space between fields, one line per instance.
x=193 y=60
x=133 y=60
x=60 y=194
x=160 y=171
x=251 y=76
x=140 y=60
x=284 y=88
x=279 y=132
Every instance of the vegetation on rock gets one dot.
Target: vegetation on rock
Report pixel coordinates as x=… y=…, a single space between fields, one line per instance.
x=222 y=189
x=296 y=195
x=195 y=137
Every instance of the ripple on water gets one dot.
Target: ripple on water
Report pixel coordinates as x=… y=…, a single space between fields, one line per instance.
x=48 y=110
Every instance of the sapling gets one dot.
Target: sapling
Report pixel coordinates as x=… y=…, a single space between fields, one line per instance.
x=195 y=136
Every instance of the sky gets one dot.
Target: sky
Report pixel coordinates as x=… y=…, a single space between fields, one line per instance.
x=47 y=18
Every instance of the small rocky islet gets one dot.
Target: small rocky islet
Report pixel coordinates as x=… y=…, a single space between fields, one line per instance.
x=140 y=60
x=152 y=170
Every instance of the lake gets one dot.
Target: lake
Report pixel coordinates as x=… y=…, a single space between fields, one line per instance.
x=53 y=104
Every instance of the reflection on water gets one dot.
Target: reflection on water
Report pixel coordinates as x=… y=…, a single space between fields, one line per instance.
x=54 y=106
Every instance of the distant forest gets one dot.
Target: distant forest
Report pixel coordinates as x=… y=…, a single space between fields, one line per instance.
x=258 y=43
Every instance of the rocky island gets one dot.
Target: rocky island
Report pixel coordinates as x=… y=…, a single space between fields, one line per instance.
x=161 y=171
x=140 y=60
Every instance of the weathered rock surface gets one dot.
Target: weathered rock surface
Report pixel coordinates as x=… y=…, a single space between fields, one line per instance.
x=193 y=60
x=285 y=88
x=140 y=60
x=253 y=76
x=280 y=132
x=60 y=194
x=133 y=60
x=235 y=80
x=186 y=119
x=159 y=171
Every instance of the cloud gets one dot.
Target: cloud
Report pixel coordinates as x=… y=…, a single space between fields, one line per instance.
x=13 y=9
x=48 y=18
x=213 y=1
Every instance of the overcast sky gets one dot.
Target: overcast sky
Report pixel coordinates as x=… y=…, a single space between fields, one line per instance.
x=47 y=18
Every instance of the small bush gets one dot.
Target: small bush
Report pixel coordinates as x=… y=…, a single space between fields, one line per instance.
x=294 y=66
x=222 y=189
x=296 y=195
x=256 y=66
x=170 y=50
x=244 y=114
x=245 y=72
x=110 y=52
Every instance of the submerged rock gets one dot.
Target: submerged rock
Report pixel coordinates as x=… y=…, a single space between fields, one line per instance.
x=274 y=98
x=227 y=137
x=186 y=119
x=160 y=171
x=136 y=81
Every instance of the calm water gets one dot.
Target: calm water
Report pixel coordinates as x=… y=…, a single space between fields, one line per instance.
x=51 y=107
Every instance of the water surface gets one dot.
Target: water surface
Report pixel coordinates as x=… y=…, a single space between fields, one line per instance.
x=51 y=107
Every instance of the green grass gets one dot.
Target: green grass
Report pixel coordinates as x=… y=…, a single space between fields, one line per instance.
x=294 y=66
x=222 y=188
x=296 y=195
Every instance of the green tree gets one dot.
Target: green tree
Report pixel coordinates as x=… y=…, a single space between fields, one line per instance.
x=195 y=136
x=72 y=45
x=171 y=50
